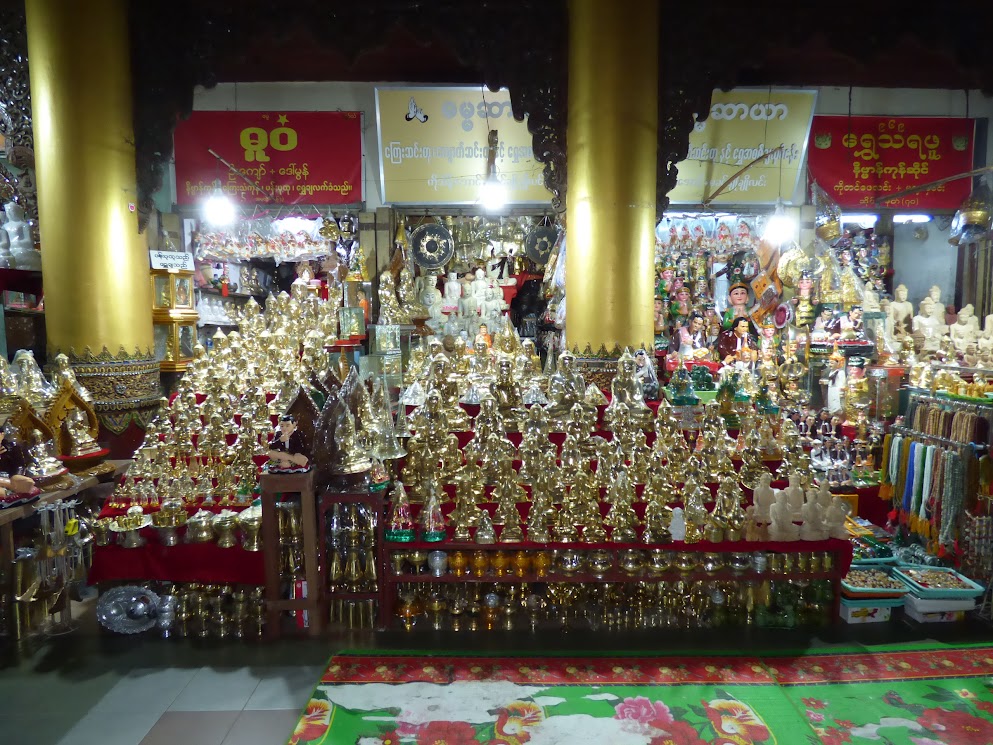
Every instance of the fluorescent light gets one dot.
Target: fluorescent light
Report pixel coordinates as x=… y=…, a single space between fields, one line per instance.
x=493 y=195
x=863 y=220
x=911 y=218
x=219 y=209
x=780 y=228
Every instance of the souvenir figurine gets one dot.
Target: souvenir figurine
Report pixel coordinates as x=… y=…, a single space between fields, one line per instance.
x=286 y=451
x=735 y=345
x=647 y=375
x=692 y=338
x=738 y=297
x=849 y=327
x=835 y=382
x=804 y=299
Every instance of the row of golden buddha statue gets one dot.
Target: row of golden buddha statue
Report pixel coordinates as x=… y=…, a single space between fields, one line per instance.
x=567 y=483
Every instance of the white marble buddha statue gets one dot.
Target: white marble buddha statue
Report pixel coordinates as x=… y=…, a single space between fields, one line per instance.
x=453 y=293
x=5 y=256
x=900 y=312
x=965 y=330
x=929 y=325
x=22 y=247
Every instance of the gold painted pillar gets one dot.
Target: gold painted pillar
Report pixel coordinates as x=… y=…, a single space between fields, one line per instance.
x=94 y=261
x=611 y=148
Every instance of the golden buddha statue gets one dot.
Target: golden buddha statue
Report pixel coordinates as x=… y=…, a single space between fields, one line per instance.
x=390 y=311
x=31 y=383
x=77 y=425
x=621 y=516
x=349 y=458
x=42 y=465
x=626 y=395
x=410 y=306
x=507 y=394
x=64 y=372
x=566 y=387
x=441 y=381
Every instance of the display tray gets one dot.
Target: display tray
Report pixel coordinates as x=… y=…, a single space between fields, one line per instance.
x=855 y=591
x=908 y=574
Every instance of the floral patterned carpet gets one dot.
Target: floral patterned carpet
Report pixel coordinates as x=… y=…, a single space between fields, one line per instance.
x=937 y=696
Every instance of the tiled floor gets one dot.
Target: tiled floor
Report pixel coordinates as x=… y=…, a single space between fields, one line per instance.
x=95 y=688
x=184 y=706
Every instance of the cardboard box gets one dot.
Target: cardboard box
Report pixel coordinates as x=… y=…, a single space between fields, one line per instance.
x=864 y=614
x=942 y=617
x=923 y=605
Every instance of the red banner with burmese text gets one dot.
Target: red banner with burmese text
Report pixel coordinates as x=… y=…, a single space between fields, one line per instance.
x=296 y=157
x=861 y=158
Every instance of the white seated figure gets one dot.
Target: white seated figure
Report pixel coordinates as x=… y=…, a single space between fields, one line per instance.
x=965 y=330
x=813 y=528
x=930 y=325
x=835 y=516
x=763 y=497
x=453 y=293
x=781 y=527
x=480 y=285
x=22 y=249
x=432 y=301
x=677 y=524
x=5 y=256
x=794 y=496
x=493 y=307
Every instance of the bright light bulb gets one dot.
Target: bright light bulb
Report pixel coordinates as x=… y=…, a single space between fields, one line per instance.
x=780 y=229
x=864 y=221
x=911 y=218
x=219 y=209
x=492 y=195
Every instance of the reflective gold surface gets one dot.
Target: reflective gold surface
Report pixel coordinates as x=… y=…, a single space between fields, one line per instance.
x=612 y=151
x=95 y=262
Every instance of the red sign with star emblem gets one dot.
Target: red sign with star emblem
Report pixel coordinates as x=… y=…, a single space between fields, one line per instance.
x=289 y=157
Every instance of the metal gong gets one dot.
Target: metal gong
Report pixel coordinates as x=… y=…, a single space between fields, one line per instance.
x=539 y=243
x=432 y=246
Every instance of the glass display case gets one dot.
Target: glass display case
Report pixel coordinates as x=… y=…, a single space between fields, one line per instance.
x=174 y=318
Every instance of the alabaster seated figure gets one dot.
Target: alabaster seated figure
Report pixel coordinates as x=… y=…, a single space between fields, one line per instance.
x=626 y=397
x=813 y=528
x=781 y=527
x=763 y=497
x=834 y=518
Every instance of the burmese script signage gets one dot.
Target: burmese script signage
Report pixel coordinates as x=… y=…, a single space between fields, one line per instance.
x=433 y=146
x=861 y=158
x=744 y=124
x=296 y=157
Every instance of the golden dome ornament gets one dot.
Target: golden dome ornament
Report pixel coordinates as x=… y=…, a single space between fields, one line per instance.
x=827 y=223
x=972 y=220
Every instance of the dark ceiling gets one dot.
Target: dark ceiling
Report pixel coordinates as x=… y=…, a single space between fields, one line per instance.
x=522 y=45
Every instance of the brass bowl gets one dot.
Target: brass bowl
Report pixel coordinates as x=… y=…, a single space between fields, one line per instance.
x=685 y=561
x=250 y=522
x=659 y=561
x=712 y=562
x=599 y=562
x=570 y=561
x=199 y=530
x=631 y=561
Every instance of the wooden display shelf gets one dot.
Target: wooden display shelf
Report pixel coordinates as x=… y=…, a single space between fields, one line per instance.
x=614 y=575
x=273 y=486
x=215 y=291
